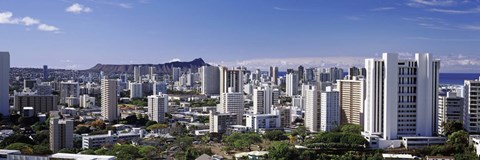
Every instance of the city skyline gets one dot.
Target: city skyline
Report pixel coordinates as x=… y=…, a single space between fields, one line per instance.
x=256 y=34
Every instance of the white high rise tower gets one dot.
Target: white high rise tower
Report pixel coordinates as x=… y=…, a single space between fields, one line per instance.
x=401 y=96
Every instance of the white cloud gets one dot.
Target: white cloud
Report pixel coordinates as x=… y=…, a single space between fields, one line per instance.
x=175 y=60
x=383 y=9
x=124 y=5
x=48 y=28
x=433 y=2
x=78 y=8
x=7 y=18
x=354 y=18
x=451 y=11
x=28 y=21
x=470 y=27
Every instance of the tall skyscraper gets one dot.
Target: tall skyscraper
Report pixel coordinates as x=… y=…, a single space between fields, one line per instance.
x=273 y=74
x=329 y=110
x=262 y=100
x=232 y=102
x=472 y=114
x=109 y=100
x=335 y=74
x=157 y=106
x=159 y=87
x=137 y=76
x=176 y=72
x=61 y=134
x=69 y=89
x=450 y=108
x=401 y=96
x=135 y=90
x=210 y=80
x=151 y=73
x=231 y=79
x=352 y=97
x=4 y=83
x=45 y=72
x=292 y=84
x=312 y=108
x=301 y=73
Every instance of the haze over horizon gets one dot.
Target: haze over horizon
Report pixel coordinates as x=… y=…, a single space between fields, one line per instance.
x=256 y=34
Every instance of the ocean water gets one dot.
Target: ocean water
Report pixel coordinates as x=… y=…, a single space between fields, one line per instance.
x=445 y=78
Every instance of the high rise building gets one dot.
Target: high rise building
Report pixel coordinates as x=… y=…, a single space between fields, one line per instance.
x=219 y=122
x=210 y=80
x=231 y=79
x=232 y=102
x=69 y=89
x=136 y=90
x=352 y=97
x=61 y=134
x=262 y=100
x=356 y=72
x=137 y=74
x=472 y=106
x=309 y=75
x=401 y=96
x=109 y=100
x=312 y=109
x=176 y=72
x=159 y=87
x=301 y=73
x=329 y=110
x=450 y=108
x=335 y=74
x=45 y=72
x=292 y=84
x=273 y=74
x=151 y=73
x=157 y=106
x=87 y=101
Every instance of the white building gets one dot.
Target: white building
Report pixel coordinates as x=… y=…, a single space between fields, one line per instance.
x=210 y=80
x=472 y=105
x=137 y=76
x=329 y=110
x=95 y=141
x=262 y=100
x=135 y=90
x=450 y=108
x=157 y=106
x=232 y=102
x=257 y=122
x=231 y=79
x=109 y=100
x=87 y=101
x=285 y=115
x=292 y=84
x=312 y=109
x=401 y=96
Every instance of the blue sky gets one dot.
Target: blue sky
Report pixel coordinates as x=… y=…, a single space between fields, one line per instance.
x=256 y=33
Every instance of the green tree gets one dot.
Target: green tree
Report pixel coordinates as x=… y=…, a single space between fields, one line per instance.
x=281 y=151
x=82 y=130
x=459 y=137
x=41 y=150
x=450 y=127
x=157 y=126
x=149 y=123
x=22 y=147
x=301 y=131
x=351 y=128
x=16 y=138
x=275 y=135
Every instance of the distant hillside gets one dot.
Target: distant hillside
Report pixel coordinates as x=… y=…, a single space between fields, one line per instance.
x=160 y=68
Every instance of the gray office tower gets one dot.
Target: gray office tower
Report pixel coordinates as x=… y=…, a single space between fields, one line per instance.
x=4 y=82
x=45 y=72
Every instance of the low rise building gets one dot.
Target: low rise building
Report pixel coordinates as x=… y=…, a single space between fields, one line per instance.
x=95 y=141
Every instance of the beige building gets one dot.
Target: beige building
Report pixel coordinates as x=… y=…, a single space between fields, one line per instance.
x=109 y=100
x=61 y=134
x=352 y=97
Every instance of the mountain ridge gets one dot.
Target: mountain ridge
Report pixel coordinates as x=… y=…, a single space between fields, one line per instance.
x=159 y=68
